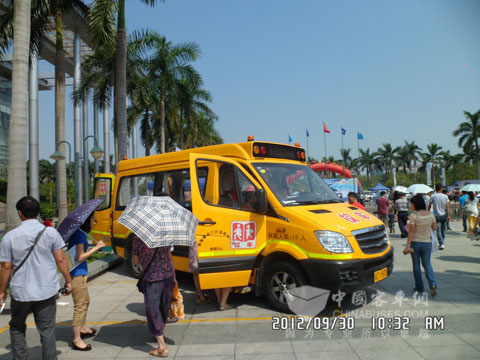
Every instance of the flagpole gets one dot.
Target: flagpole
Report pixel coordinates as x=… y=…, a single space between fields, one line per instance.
x=343 y=167
x=325 y=143
x=306 y=135
x=358 y=145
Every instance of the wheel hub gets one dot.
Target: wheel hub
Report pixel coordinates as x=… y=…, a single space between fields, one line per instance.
x=282 y=286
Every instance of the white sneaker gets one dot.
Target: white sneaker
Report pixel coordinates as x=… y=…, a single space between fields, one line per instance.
x=441 y=247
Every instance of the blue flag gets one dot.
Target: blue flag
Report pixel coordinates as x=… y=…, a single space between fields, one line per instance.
x=360 y=136
x=308 y=134
x=289 y=139
x=344 y=131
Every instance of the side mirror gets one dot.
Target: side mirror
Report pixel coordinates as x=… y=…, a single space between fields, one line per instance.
x=261 y=201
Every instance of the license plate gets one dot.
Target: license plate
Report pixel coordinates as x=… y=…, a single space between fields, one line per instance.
x=380 y=274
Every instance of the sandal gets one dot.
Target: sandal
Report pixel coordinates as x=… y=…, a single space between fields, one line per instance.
x=90 y=334
x=171 y=319
x=88 y=347
x=226 y=307
x=204 y=301
x=158 y=353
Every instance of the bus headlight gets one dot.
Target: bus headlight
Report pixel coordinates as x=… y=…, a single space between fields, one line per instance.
x=333 y=241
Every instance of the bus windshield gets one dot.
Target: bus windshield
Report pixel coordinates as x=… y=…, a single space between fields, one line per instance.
x=296 y=184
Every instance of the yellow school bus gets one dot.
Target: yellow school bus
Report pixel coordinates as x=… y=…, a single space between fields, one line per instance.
x=266 y=220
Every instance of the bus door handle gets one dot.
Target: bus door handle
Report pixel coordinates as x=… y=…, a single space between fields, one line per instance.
x=207 y=222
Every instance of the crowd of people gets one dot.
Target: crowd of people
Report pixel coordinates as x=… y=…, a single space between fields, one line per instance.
x=34 y=287
x=425 y=225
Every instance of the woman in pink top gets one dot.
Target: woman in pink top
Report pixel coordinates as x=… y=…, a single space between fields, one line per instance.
x=420 y=223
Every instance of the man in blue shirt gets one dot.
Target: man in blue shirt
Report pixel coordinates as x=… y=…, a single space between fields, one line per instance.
x=461 y=201
x=34 y=286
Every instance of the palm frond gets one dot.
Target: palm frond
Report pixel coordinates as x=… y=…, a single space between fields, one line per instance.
x=102 y=24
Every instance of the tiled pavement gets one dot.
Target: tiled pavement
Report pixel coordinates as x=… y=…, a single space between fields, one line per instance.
x=117 y=311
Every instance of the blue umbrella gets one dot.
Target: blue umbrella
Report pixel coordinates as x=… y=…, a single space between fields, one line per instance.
x=76 y=218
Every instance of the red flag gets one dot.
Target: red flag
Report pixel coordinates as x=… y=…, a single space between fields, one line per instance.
x=325 y=129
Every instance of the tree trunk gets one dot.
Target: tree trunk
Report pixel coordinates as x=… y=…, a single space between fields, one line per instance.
x=162 y=127
x=147 y=136
x=60 y=119
x=180 y=125
x=121 y=83
x=17 y=172
x=477 y=154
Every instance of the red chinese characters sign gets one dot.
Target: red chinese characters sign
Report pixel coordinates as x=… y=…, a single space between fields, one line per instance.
x=349 y=218
x=243 y=234
x=362 y=215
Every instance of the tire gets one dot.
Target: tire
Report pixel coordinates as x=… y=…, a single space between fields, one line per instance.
x=280 y=277
x=135 y=269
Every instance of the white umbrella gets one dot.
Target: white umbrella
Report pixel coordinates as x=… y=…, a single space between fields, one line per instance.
x=401 y=189
x=419 y=189
x=159 y=221
x=471 y=187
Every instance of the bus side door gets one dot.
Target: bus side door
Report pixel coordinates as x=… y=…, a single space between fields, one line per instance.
x=231 y=233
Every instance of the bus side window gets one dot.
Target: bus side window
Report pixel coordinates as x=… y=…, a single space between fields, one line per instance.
x=228 y=187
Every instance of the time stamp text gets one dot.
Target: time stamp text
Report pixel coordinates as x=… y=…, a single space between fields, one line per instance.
x=348 y=323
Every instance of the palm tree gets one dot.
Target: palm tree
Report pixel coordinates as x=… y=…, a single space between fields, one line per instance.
x=191 y=101
x=143 y=102
x=107 y=28
x=431 y=156
x=468 y=133
x=17 y=173
x=46 y=171
x=386 y=156
x=412 y=152
x=346 y=160
x=201 y=131
x=42 y=12
x=366 y=161
x=168 y=64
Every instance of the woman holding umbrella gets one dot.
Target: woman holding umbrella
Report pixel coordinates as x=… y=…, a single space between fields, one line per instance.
x=74 y=229
x=80 y=295
x=158 y=222
x=158 y=284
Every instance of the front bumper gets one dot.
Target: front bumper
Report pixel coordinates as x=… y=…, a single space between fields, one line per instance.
x=346 y=275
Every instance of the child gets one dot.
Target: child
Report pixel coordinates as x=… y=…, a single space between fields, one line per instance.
x=391 y=220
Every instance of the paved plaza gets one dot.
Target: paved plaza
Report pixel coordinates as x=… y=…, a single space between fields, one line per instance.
x=117 y=311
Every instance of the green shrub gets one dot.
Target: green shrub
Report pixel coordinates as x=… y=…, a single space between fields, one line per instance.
x=48 y=210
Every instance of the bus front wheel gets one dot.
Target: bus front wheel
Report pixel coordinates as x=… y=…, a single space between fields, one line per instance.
x=281 y=278
x=135 y=269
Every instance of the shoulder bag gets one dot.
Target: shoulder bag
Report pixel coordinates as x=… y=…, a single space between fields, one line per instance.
x=140 y=281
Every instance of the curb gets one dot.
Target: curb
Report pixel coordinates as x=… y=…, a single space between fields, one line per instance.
x=98 y=267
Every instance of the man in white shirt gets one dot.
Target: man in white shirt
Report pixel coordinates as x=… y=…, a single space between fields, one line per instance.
x=34 y=286
x=441 y=210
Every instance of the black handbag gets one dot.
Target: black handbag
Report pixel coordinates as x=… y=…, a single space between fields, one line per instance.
x=140 y=281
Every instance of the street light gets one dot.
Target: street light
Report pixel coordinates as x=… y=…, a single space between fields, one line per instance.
x=97 y=153
x=57 y=155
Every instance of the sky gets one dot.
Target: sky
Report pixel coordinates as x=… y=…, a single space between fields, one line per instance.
x=391 y=70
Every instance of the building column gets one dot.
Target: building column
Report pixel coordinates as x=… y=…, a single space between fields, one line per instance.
x=96 y=167
x=77 y=121
x=34 y=187
x=134 y=155
x=106 y=140
x=86 y=167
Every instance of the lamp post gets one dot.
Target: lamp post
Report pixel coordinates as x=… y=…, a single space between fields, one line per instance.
x=57 y=155
x=97 y=153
